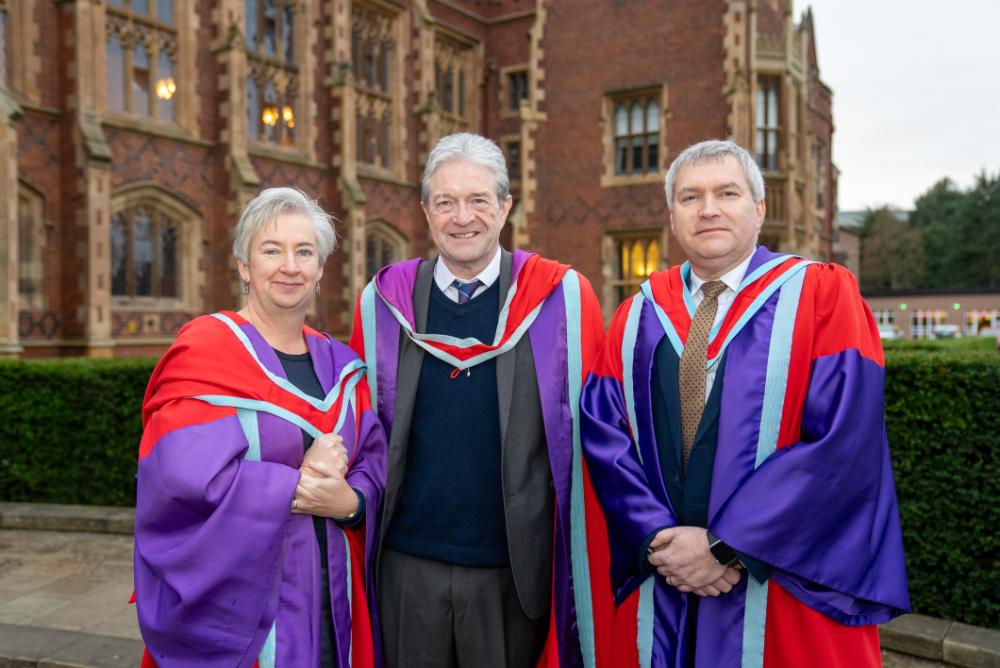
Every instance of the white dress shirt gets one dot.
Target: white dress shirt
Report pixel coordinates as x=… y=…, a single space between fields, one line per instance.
x=732 y=279
x=444 y=278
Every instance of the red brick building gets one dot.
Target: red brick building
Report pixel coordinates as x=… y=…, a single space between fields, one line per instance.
x=133 y=132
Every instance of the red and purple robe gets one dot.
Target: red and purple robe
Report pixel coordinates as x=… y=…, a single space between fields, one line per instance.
x=225 y=574
x=557 y=309
x=802 y=479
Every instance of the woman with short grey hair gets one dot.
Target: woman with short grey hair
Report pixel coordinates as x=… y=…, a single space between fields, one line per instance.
x=261 y=470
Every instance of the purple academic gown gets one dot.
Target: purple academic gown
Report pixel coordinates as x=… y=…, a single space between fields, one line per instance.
x=225 y=574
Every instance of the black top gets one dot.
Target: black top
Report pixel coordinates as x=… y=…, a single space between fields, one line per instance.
x=451 y=501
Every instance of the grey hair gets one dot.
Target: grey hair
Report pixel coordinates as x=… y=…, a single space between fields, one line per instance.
x=475 y=149
x=717 y=150
x=274 y=202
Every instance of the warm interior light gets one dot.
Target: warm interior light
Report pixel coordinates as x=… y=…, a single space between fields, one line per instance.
x=288 y=116
x=165 y=88
x=269 y=115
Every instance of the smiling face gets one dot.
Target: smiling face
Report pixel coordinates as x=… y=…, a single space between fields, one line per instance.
x=714 y=217
x=283 y=266
x=464 y=216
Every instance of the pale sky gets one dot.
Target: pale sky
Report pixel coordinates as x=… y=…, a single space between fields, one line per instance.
x=916 y=93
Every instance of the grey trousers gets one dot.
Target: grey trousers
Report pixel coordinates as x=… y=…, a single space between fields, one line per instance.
x=438 y=615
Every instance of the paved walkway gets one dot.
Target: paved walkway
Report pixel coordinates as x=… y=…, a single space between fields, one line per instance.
x=64 y=593
x=65 y=581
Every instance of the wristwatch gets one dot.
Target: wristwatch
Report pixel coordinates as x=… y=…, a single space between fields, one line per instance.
x=724 y=555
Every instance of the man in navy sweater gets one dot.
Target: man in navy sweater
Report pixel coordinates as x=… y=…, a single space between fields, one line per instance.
x=476 y=361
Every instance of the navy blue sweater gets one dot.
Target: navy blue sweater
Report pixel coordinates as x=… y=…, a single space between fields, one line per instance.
x=451 y=504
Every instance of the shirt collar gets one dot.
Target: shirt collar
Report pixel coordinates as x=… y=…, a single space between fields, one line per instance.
x=731 y=278
x=443 y=276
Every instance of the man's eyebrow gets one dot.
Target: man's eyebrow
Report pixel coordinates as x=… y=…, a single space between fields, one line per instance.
x=730 y=184
x=278 y=243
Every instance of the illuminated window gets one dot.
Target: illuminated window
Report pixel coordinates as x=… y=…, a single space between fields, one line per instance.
x=768 y=121
x=636 y=256
x=141 y=58
x=372 y=55
x=454 y=87
x=635 y=127
x=145 y=253
x=272 y=85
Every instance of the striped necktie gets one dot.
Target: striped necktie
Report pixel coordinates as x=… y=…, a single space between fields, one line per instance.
x=466 y=290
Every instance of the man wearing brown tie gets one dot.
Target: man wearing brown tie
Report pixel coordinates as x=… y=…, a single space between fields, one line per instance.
x=734 y=432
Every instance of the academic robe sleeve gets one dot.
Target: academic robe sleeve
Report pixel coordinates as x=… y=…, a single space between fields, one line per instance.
x=633 y=511
x=208 y=537
x=822 y=508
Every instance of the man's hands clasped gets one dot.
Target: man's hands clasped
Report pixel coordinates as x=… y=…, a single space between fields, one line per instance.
x=682 y=557
x=323 y=488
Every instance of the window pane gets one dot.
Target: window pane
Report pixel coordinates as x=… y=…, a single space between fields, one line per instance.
x=652 y=153
x=637 y=118
x=4 y=73
x=514 y=159
x=623 y=258
x=461 y=92
x=761 y=108
x=637 y=145
x=652 y=116
x=115 y=74
x=165 y=87
x=270 y=29
x=371 y=255
x=370 y=63
x=760 y=148
x=621 y=121
x=119 y=256
x=167 y=258
x=383 y=67
x=140 y=80
x=25 y=245
x=253 y=110
x=269 y=114
x=388 y=253
x=772 y=106
x=652 y=257
x=638 y=268
x=141 y=7
x=621 y=156
x=356 y=51
x=447 y=99
x=383 y=139
x=250 y=9
x=142 y=252
x=165 y=10
x=288 y=122
x=288 y=34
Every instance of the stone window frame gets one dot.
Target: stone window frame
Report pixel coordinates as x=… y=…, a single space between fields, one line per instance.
x=768 y=130
x=618 y=285
x=452 y=49
x=609 y=104
x=506 y=141
x=31 y=245
x=190 y=253
x=156 y=37
x=385 y=233
x=392 y=97
x=290 y=79
x=505 y=89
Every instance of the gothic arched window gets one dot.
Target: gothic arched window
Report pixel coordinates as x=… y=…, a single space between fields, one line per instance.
x=141 y=58
x=272 y=84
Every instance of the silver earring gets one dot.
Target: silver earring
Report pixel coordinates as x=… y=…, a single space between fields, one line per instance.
x=246 y=287
x=317 y=288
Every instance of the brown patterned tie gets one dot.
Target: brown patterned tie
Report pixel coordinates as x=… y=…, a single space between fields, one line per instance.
x=692 y=368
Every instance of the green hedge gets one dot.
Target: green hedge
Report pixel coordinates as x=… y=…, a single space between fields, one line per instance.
x=959 y=345
x=943 y=419
x=69 y=433
x=69 y=430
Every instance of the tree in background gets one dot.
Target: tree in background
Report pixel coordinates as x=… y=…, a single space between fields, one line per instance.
x=951 y=239
x=892 y=252
x=961 y=233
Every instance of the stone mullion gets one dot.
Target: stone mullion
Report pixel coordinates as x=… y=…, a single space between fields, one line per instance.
x=532 y=117
x=304 y=35
x=9 y=115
